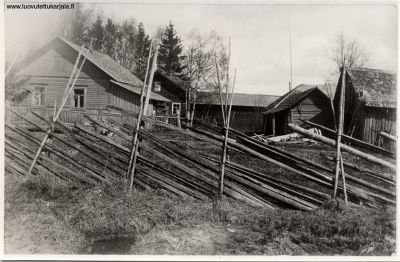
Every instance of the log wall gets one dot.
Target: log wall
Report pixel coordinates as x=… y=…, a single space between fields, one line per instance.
x=244 y=119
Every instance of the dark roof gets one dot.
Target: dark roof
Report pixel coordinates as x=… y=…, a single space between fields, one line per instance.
x=291 y=98
x=172 y=78
x=377 y=88
x=107 y=65
x=138 y=90
x=254 y=100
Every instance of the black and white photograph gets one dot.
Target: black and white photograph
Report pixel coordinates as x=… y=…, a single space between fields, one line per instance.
x=193 y=130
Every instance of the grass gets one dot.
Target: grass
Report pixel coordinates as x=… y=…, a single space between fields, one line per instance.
x=69 y=219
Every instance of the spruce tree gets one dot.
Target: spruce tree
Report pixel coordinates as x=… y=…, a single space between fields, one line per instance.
x=110 y=31
x=97 y=33
x=78 y=27
x=170 y=51
x=142 y=43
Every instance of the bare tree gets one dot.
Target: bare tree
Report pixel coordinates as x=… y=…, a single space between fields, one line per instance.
x=345 y=52
x=200 y=55
x=348 y=53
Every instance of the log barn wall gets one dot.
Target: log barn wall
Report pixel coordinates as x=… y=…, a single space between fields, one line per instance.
x=374 y=120
x=245 y=119
x=370 y=105
x=306 y=102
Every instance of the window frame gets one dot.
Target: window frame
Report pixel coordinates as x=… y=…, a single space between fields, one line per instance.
x=84 y=98
x=157 y=86
x=43 y=96
x=172 y=109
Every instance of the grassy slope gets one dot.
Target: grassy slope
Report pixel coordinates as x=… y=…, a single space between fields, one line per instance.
x=37 y=222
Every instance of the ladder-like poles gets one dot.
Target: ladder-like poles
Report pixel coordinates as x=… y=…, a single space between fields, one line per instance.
x=339 y=157
x=142 y=108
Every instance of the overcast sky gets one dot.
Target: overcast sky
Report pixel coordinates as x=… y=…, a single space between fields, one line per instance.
x=259 y=35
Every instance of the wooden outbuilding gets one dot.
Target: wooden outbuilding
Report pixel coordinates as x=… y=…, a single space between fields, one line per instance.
x=246 y=115
x=370 y=105
x=173 y=88
x=306 y=102
x=40 y=80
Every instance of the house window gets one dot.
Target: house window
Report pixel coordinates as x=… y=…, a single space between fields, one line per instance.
x=39 y=96
x=79 y=98
x=176 y=109
x=157 y=86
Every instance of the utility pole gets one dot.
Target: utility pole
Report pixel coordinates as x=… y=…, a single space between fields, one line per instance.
x=291 y=73
x=291 y=64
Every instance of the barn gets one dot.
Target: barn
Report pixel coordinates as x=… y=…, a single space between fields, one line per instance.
x=41 y=78
x=306 y=102
x=370 y=104
x=246 y=114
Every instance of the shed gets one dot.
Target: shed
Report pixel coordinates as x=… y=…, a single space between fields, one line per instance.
x=173 y=88
x=41 y=79
x=307 y=102
x=370 y=104
x=246 y=115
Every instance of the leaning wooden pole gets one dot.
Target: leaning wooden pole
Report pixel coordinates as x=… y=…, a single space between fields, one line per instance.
x=343 y=147
x=343 y=179
x=224 y=147
x=153 y=70
x=339 y=133
x=388 y=136
x=220 y=93
x=64 y=99
x=135 y=145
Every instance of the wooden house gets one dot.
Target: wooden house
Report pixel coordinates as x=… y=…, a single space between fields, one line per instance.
x=370 y=104
x=173 y=88
x=246 y=114
x=40 y=80
x=307 y=102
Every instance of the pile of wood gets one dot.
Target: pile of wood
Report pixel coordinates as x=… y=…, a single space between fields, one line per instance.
x=180 y=170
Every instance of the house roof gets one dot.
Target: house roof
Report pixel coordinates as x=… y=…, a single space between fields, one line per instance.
x=254 y=100
x=138 y=90
x=291 y=98
x=102 y=61
x=172 y=78
x=106 y=64
x=377 y=88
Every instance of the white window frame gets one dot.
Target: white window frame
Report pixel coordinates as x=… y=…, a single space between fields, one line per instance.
x=157 y=86
x=84 y=98
x=172 y=109
x=42 y=97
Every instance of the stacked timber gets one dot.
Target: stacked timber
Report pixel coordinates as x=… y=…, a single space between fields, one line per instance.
x=181 y=171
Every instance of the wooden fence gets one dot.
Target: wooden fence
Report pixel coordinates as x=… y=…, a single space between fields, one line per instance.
x=72 y=116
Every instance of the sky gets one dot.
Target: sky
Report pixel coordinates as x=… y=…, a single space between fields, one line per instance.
x=259 y=35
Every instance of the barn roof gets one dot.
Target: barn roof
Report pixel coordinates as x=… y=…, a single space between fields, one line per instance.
x=107 y=64
x=254 y=100
x=291 y=98
x=138 y=90
x=377 y=88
